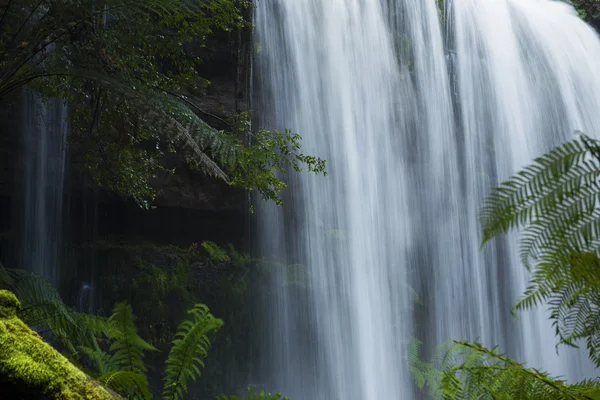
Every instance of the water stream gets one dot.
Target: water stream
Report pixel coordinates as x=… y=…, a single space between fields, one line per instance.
x=45 y=128
x=419 y=111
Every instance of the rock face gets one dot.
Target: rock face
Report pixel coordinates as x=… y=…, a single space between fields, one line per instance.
x=32 y=369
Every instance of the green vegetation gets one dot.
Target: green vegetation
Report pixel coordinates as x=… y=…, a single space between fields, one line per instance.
x=252 y=395
x=111 y=346
x=555 y=203
x=589 y=10
x=468 y=371
x=30 y=368
x=131 y=100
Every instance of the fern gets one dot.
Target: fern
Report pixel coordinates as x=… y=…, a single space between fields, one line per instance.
x=190 y=347
x=127 y=346
x=122 y=368
x=175 y=122
x=132 y=384
x=468 y=371
x=556 y=203
x=43 y=307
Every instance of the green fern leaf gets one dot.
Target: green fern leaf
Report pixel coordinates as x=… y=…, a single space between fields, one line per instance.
x=176 y=122
x=127 y=347
x=472 y=371
x=133 y=385
x=190 y=347
x=43 y=307
x=556 y=201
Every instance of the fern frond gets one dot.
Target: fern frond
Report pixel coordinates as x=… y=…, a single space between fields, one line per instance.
x=133 y=385
x=209 y=150
x=556 y=201
x=103 y=362
x=476 y=372
x=190 y=347
x=43 y=307
x=124 y=367
x=560 y=180
x=127 y=347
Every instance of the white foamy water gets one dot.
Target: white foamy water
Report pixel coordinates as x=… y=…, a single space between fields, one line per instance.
x=419 y=112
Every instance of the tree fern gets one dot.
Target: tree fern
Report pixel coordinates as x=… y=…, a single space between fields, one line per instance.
x=556 y=201
x=207 y=148
x=190 y=347
x=469 y=371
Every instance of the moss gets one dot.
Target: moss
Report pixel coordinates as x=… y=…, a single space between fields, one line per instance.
x=8 y=304
x=30 y=368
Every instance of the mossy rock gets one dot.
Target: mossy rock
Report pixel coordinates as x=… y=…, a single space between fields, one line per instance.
x=32 y=369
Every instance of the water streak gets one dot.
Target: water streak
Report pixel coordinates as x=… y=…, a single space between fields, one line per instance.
x=45 y=127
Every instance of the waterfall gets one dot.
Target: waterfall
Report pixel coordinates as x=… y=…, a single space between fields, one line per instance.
x=44 y=135
x=419 y=112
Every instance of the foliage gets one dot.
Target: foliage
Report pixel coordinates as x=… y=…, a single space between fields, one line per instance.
x=252 y=395
x=127 y=348
x=125 y=68
x=215 y=252
x=589 y=10
x=268 y=154
x=122 y=367
x=190 y=346
x=112 y=345
x=43 y=307
x=555 y=201
x=471 y=371
x=31 y=368
x=162 y=295
x=162 y=282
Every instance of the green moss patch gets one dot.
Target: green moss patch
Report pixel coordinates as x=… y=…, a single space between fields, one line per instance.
x=31 y=368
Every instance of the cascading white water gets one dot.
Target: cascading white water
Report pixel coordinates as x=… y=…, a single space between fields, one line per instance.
x=331 y=80
x=419 y=112
x=45 y=127
x=526 y=82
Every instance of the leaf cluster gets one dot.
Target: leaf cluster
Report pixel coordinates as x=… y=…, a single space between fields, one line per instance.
x=468 y=370
x=43 y=308
x=125 y=67
x=112 y=345
x=556 y=203
x=589 y=10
